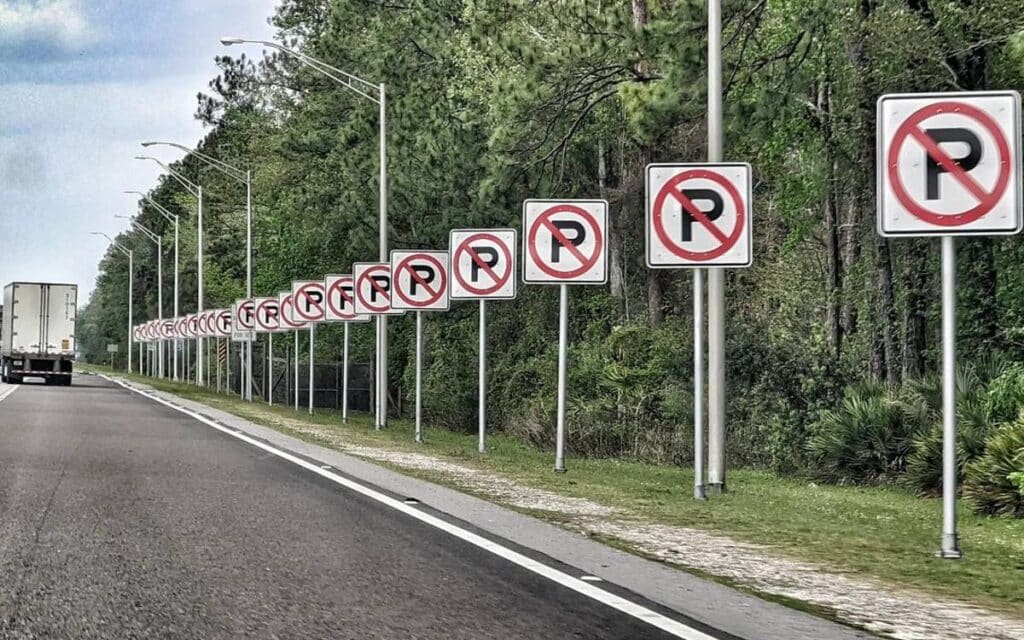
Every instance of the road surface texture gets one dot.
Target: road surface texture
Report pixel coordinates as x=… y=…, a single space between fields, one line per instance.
x=121 y=517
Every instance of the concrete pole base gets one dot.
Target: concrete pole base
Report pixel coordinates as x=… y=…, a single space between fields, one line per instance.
x=559 y=470
x=716 y=488
x=699 y=493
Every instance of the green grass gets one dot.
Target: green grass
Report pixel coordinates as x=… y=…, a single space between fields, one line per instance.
x=880 y=532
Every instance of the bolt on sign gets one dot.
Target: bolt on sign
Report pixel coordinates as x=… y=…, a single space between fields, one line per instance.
x=949 y=164
x=341 y=302
x=565 y=242
x=699 y=215
x=483 y=264
x=373 y=288
x=420 y=280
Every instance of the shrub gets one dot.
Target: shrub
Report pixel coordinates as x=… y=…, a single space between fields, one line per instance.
x=867 y=439
x=993 y=484
x=1006 y=395
x=924 y=468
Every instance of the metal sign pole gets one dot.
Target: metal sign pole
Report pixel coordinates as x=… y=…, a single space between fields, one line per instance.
x=482 y=392
x=698 y=384
x=950 y=542
x=270 y=370
x=344 y=377
x=419 y=376
x=296 y=369
x=563 y=353
x=207 y=342
x=312 y=326
x=188 y=360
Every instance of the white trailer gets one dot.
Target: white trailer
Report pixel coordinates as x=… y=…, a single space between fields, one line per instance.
x=37 y=334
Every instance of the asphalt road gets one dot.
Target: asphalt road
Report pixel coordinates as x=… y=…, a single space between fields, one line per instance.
x=122 y=518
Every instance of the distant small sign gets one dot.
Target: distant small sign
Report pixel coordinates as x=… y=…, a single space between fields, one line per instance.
x=112 y=348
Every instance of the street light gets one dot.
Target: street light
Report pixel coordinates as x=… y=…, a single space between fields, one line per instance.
x=159 y=241
x=131 y=290
x=171 y=217
x=196 y=191
x=245 y=177
x=365 y=89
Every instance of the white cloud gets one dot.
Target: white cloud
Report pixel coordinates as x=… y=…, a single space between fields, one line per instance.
x=33 y=27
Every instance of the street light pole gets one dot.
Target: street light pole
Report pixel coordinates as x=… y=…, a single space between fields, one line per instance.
x=159 y=282
x=131 y=291
x=365 y=89
x=244 y=177
x=197 y=192
x=177 y=267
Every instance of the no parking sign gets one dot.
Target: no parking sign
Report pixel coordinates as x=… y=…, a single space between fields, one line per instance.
x=309 y=300
x=373 y=288
x=949 y=164
x=420 y=280
x=565 y=241
x=286 y=305
x=267 y=315
x=699 y=215
x=483 y=264
x=340 y=291
x=222 y=323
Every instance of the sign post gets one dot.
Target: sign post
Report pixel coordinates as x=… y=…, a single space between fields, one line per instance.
x=267 y=321
x=341 y=308
x=483 y=267
x=949 y=165
x=564 y=242
x=373 y=297
x=309 y=304
x=699 y=216
x=420 y=282
x=289 y=321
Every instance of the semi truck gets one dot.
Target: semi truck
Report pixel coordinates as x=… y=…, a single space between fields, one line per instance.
x=37 y=332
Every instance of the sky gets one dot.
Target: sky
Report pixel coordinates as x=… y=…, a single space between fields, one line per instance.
x=82 y=83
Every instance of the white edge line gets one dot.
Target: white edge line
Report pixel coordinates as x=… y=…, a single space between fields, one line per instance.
x=6 y=393
x=618 y=603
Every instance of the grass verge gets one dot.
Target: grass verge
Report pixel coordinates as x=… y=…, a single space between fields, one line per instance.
x=879 y=532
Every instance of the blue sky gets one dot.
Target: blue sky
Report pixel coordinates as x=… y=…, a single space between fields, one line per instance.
x=82 y=83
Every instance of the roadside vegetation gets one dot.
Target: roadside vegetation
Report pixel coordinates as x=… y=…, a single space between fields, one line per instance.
x=885 y=532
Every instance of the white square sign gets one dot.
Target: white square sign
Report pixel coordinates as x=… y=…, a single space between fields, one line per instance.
x=699 y=215
x=419 y=280
x=483 y=264
x=949 y=164
x=565 y=241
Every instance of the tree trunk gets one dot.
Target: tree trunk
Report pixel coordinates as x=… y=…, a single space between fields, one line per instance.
x=655 y=287
x=616 y=277
x=915 y=307
x=833 y=275
x=885 y=310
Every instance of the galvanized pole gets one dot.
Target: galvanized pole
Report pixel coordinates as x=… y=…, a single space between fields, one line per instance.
x=419 y=375
x=344 y=378
x=312 y=327
x=248 y=278
x=188 y=358
x=160 y=302
x=202 y=307
x=270 y=369
x=716 y=277
x=698 y=384
x=296 y=369
x=382 y=320
x=177 y=277
x=131 y=294
x=482 y=381
x=950 y=540
x=563 y=356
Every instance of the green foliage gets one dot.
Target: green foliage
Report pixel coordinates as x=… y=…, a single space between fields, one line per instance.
x=993 y=484
x=924 y=468
x=1005 y=397
x=867 y=439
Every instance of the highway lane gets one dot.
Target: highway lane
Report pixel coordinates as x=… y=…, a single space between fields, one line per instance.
x=122 y=518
